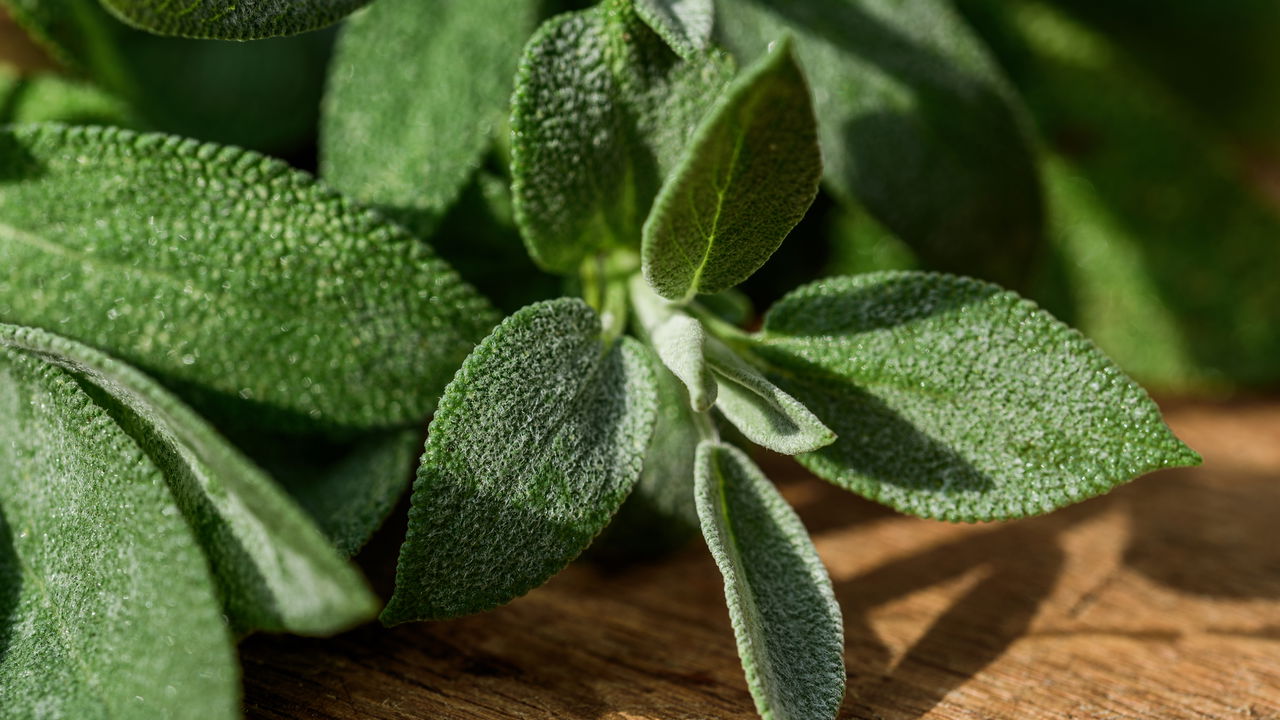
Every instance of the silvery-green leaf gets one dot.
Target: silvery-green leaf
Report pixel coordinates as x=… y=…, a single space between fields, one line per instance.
x=274 y=569
x=602 y=111
x=245 y=285
x=685 y=24
x=765 y=414
x=238 y=20
x=747 y=177
x=954 y=399
x=784 y=612
x=416 y=96
x=107 y=608
x=679 y=342
x=536 y=444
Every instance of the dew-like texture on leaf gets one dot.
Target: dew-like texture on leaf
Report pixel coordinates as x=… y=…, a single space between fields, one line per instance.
x=749 y=175
x=274 y=569
x=536 y=444
x=416 y=95
x=954 y=399
x=245 y=285
x=680 y=344
x=685 y=24
x=238 y=20
x=107 y=609
x=785 y=617
x=916 y=123
x=601 y=114
x=765 y=414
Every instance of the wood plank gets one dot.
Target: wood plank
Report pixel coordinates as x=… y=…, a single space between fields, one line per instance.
x=1161 y=600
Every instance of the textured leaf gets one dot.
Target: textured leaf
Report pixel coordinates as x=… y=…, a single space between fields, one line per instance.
x=784 y=612
x=229 y=276
x=680 y=344
x=241 y=20
x=415 y=98
x=106 y=604
x=685 y=24
x=916 y=124
x=274 y=569
x=954 y=399
x=536 y=444
x=748 y=176
x=766 y=415
x=602 y=111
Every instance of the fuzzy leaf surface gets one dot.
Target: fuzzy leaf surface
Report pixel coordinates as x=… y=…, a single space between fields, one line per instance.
x=415 y=97
x=749 y=175
x=680 y=342
x=601 y=114
x=241 y=283
x=274 y=569
x=241 y=20
x=784 y=611
x=916 y=122
x=685 y=24
x=107 y=608
x=537 y=442
x=954 y=399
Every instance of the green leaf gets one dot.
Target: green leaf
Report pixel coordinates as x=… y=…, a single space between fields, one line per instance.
x=256 y=292
x=107 y=608
x=954 y=399
x=784 y=611
x=766 y=415
x=415 y=98
x=274 y=569
x=916 y=123
x=680 y=344
x=747 y=178
x=50 y=97
x=75 y=33
x=242 y=20
x=685 y=24
x=602 y=112
x=536 y=444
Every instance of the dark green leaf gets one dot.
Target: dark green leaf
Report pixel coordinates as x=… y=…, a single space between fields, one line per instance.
x=415 y=97
x=239 y=20
x=602 y=111
x=107 y=608
x=784 y=611
x=747 y=178
x=685 y=24
x=954 y=399
x=75 y=33
x=916 y=123
x=536 y=444
x=274 y=569
x=229 y=276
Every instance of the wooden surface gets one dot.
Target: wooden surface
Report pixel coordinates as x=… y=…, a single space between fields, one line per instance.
x=1161 y=600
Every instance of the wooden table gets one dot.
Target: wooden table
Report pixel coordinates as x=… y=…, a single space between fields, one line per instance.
x=1161 y=600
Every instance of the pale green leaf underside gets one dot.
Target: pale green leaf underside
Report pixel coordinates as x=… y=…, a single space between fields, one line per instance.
x=229 y=277
x=749 y=175
x=416 y=96
x=275 y=570
x=536 y=444
x=680 y=343
x=601 y=113
x=954 y=399
x=232 y=20
x=784 y=611
x=685 y=24
x=107 y=608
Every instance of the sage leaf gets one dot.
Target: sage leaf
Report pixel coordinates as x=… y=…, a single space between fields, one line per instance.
x=766 y=415
x=685 y=24
x=535 y=445
x=749 y=175
x=51 y=97
x=680 y=344
x=601 y=113
x=954 y=399
x=253 y=290
x=916 y=121
x=274 y=569
x=107 y=608
x=242 y=20
x=784 y=611
x=415 y=98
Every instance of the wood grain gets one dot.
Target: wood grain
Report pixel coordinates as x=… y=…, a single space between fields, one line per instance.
x=1161 y=600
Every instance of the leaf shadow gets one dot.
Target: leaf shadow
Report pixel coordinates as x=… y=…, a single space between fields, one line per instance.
x=10 y=585
x=16 y=162
x=874 y=306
